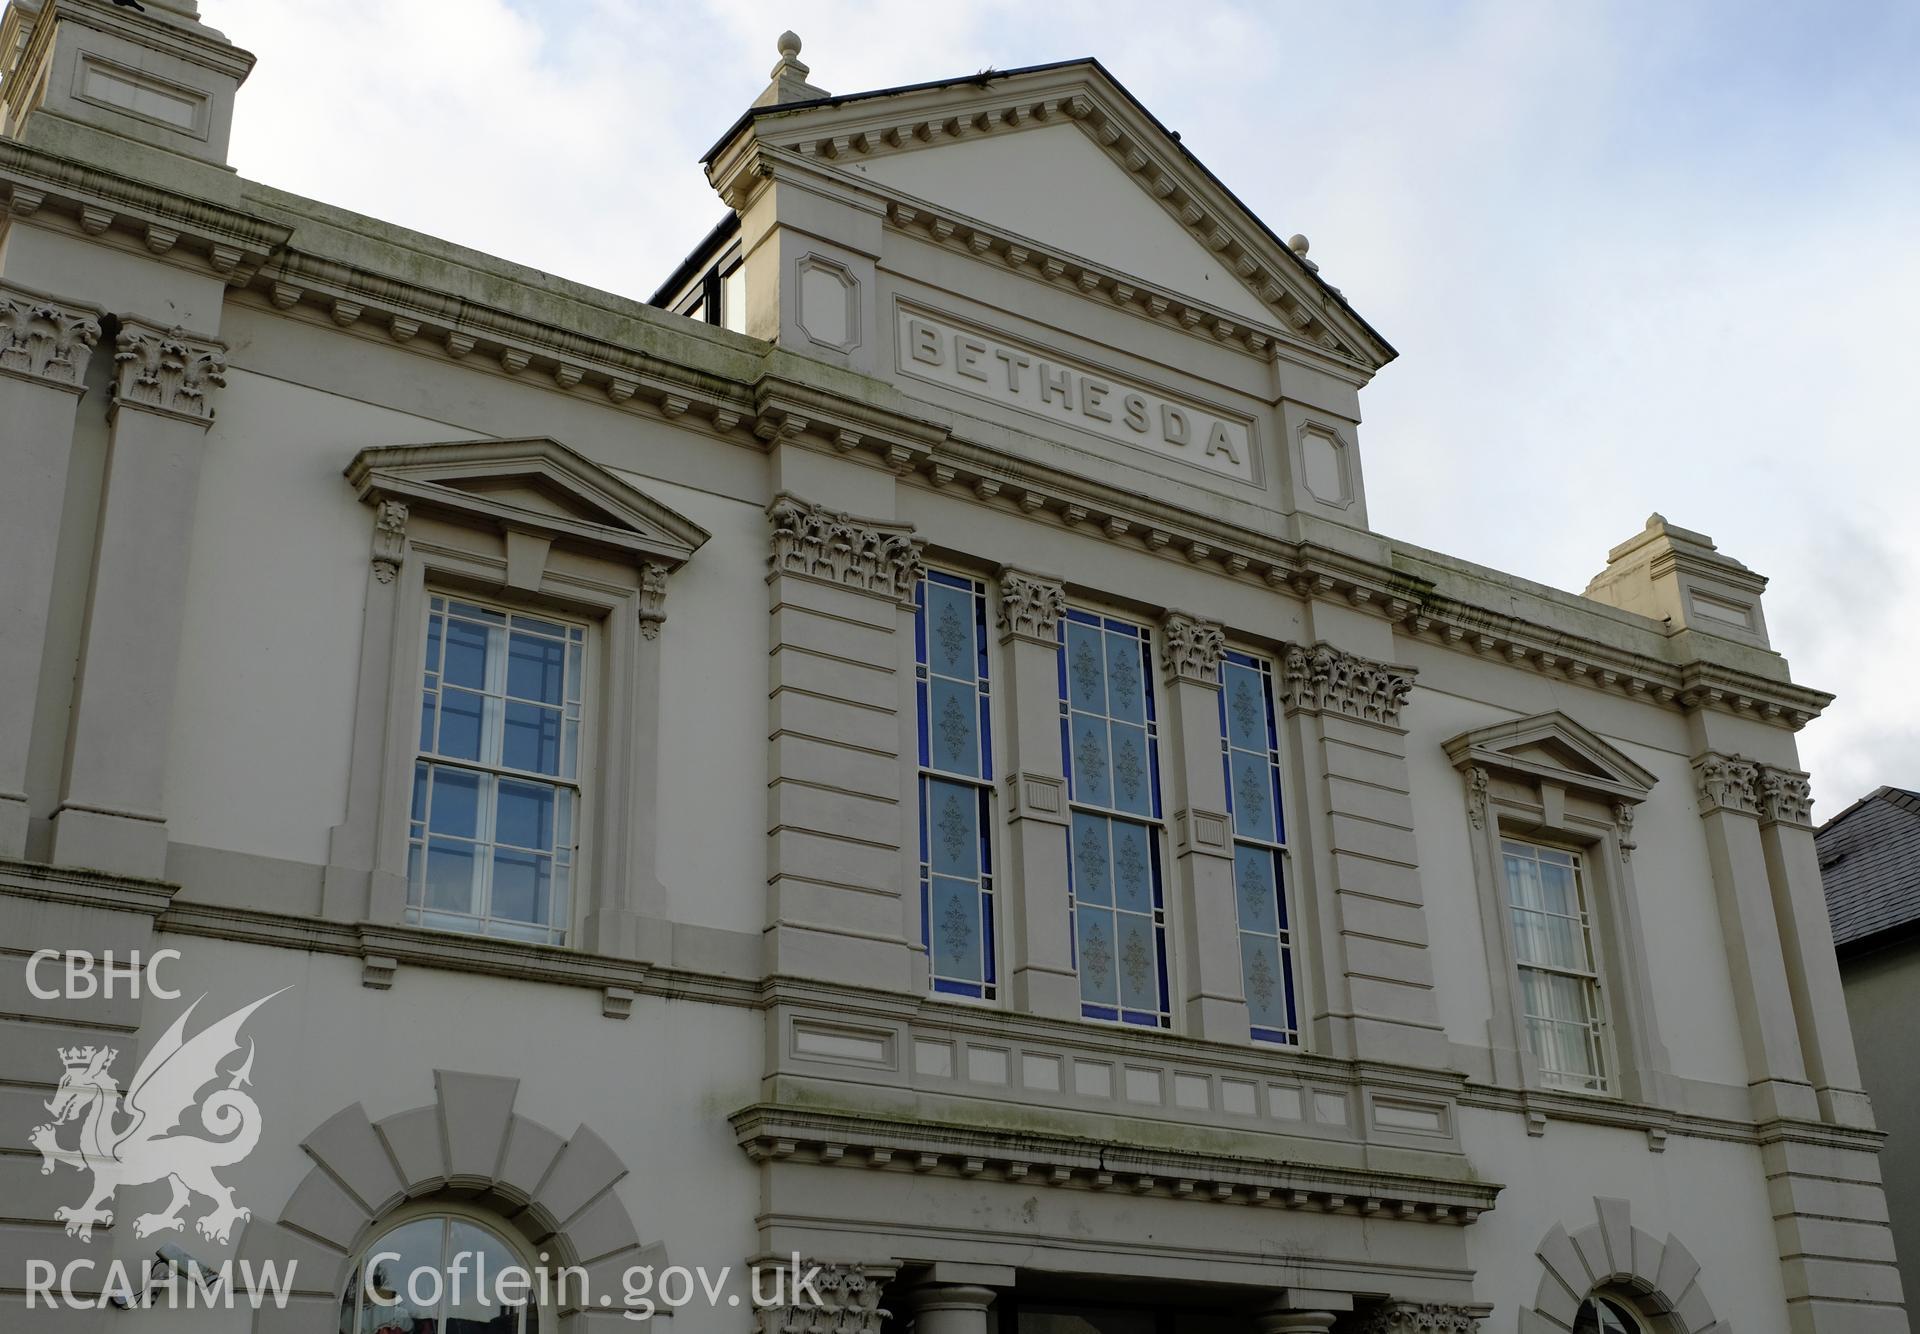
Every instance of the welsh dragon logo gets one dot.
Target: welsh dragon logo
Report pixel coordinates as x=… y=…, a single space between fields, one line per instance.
x=141 y=1141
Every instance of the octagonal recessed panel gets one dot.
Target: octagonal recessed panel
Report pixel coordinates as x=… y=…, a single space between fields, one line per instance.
x=827 y=307
x=1324 y=470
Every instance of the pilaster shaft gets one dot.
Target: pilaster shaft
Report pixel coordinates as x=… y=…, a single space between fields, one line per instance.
x=45 y=347
x=1202 y=832
x=950 y=1308
x=1041 y=950
x=111 y=816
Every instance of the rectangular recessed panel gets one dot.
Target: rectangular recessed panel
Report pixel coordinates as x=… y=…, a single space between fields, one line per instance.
x=1283 y=1102
x=1191 y=1091
x=1418 y=1117
x=844 y=1046
x=1239 y=1097
x=987 y=1065
x=1041 y=1073
x=933 y=1058
x=1143 y=1085
x=1329 y=1109
x=141 y=95
x=1093 y=1079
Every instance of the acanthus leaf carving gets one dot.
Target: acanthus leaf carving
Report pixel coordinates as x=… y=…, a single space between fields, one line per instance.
x=1192 y=649
x=1030 y=607
x=43 y=340
x=1623 y=819
x=168 y=371
x=1727 y=783
x=1786 y=797
x=823 y=544
x=1323 y=679
x=1477 y=784
x=389 y=539
x=1399 y=1317
x=653 y=598
x=818 y=1297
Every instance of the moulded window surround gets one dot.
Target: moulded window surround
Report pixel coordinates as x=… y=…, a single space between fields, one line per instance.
x=954 y=738
x=522 y=529
x=1116 y=855
x=1551 y=809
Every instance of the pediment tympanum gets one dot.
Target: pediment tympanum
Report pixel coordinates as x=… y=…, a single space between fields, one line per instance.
x=1551 y=747
x=535 y=485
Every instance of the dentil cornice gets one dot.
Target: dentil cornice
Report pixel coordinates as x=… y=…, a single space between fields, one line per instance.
x=44 y=339
x=824 y=544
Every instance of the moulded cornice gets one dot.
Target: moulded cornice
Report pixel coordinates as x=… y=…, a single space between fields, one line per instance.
x=772 y=1132
x=1497 y=750
x=1083 y=94
x=609 y=513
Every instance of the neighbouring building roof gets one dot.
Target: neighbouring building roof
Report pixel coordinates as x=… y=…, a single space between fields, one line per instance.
x=1870 y=865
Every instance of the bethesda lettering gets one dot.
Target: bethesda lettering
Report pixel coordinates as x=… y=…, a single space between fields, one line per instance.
x=990 y=369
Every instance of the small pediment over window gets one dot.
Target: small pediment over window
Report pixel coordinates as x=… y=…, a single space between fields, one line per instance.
x=537 y=486
x=1552 y=747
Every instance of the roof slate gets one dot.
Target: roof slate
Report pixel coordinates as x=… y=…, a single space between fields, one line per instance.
x=1870 y=864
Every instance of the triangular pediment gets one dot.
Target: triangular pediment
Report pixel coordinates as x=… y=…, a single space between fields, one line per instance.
x=533 y=485
x=1552 y=747
x=1059 y=166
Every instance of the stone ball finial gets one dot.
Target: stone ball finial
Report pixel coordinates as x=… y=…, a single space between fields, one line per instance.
x=789 y=44
x=1297 y=243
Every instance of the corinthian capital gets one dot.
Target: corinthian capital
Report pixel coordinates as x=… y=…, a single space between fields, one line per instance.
x=812 y=540
x=168 y=371
x=1727 y=783
x=1786 y=797
x=815 y=1297
x=1322 y=679
x=1423 y=1318
x=1193 y=649
x=1030 y=606
x=46 y=340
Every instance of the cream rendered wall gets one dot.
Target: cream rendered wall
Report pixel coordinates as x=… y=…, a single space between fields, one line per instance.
x=657 y=1088
x=1709 y=1194
x=271 y=640
x=713 y=726
x=1055 y=184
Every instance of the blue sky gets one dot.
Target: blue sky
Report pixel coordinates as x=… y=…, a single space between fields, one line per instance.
x=1635 y=256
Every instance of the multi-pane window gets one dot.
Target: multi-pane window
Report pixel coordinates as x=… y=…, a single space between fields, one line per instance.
x=495 y=788
x=956 y=784
x=1559 y=982
x=1250 y=754
x=1112 y=752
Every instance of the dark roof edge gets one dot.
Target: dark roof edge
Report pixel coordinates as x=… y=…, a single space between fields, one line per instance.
x=701 y=255
x=1900 y=797
x=982 y=80
x=1887 y=937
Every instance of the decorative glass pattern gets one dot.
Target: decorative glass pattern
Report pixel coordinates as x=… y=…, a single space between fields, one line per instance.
x=956 y=784
x=1109 y=737
x=492 y=832
x=1559 y=982
x=466 y=1259
x=1250 y=756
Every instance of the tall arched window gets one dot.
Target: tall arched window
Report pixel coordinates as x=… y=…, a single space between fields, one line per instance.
x=1604 y=1315
x=441 y=1273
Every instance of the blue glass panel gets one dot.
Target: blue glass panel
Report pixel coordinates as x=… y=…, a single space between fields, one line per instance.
x=532 y=739
x=1253 y=886
x=956 y=929
x=1094 y=936
x=950 y=631
x=520 y=890
x=1092 y=859
x=466 y=663
x=926 y=754
x=538 y=626
x=426 y=720
x=1139 y=963
x=478 y=613
x=953 y=828
x=450 y=875
x=1132 y=867
x=1262 y=973
x=1092 y=764
x=433 y=641
x=986 y=740
x=1280 y=891
x=524 y=815
x=986 y=913
x=954 y=727
x=456 y=803
x=1132 y=777
x=1086 y=669
x=1245 y=699
x=419 y=810
x=1126 y=681
x=536 y=667
x=459 y=724
x=1253 y=796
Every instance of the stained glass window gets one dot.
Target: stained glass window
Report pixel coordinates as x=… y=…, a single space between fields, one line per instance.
x=1250 y=756
x=1110 y=739
x=491 y=834
x=1553 y=944
x=956 y=784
